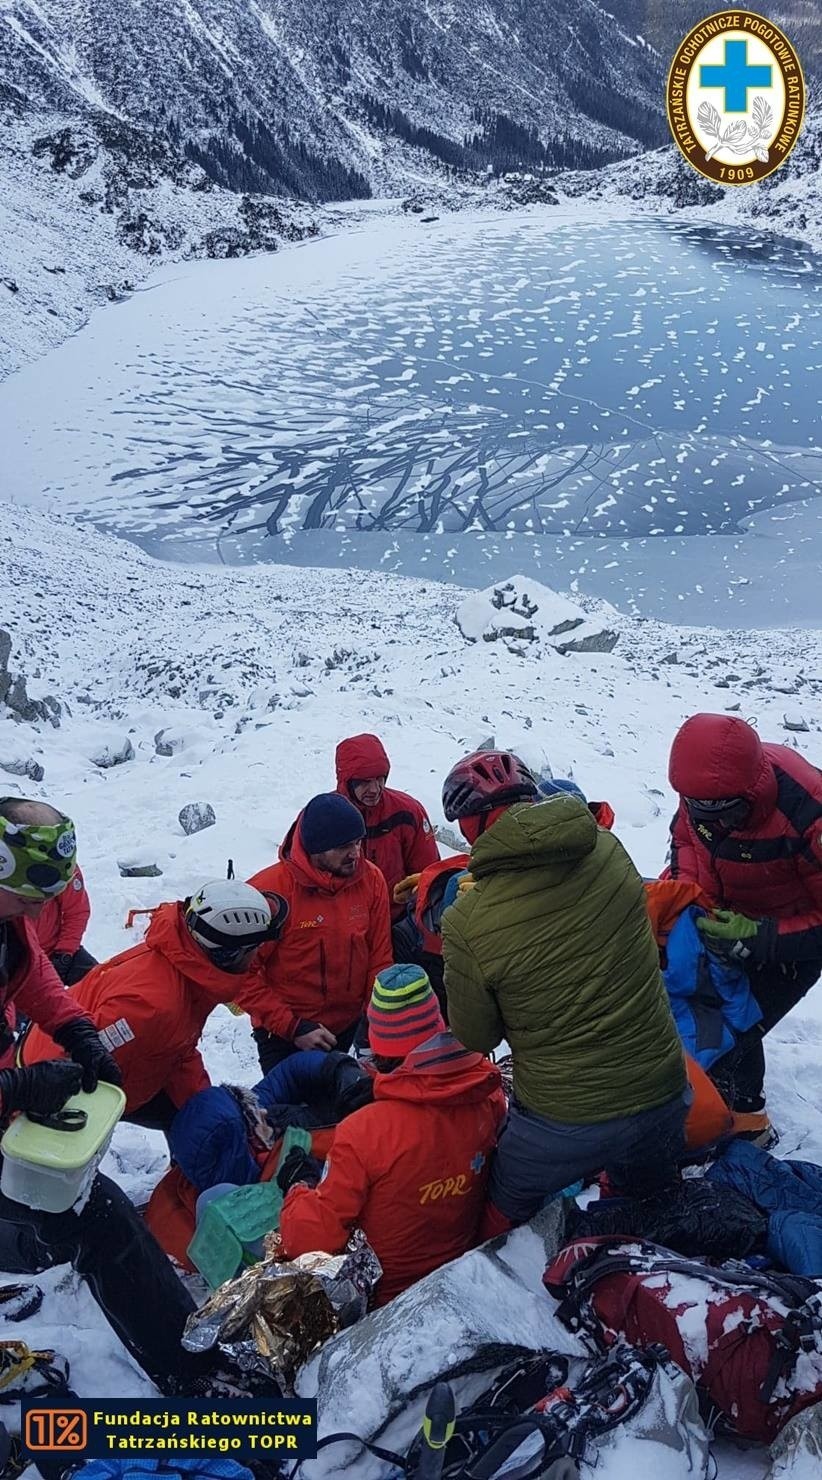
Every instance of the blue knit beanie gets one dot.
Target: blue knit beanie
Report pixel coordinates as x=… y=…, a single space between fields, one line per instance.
x=330 y=821
x=554 y=786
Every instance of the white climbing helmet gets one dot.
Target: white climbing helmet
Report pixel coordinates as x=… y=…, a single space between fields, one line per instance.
x=229 y=916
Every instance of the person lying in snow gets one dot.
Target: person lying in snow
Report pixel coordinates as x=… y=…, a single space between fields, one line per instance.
x=232 y=1135
x=314 y=984
x=410 y=1169
x=228 y=1133
x=552 y=949
x=151 y=1002
x=748 y=831
x=106 y=1241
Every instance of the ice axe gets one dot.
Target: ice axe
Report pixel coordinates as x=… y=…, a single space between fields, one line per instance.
x=438 y=1424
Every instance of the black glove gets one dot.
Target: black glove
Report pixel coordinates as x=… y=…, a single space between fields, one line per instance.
x=348 y=1085
x=43 y=1088
x=81 y=1041
x=299 y=1166
x=61 y=961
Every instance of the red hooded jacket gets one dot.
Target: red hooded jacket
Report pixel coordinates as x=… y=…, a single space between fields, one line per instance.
x=155 y=999
x=773 y=866
x=63 y=922
x=29 y=985
x=337 y=937
x=399 y=838
x=410 y=1170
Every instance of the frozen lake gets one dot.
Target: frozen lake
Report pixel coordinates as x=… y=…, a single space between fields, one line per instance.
x=631 y=405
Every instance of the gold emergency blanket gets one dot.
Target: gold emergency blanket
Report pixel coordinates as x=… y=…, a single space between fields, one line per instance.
x=271 y=1318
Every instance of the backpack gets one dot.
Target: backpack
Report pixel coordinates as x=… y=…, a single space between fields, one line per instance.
x=750 y=1339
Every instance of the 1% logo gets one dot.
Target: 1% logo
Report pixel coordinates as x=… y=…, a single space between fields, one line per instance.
x=55 y=1428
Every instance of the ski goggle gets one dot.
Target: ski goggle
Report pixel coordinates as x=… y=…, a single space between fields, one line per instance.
x=37 y=860
x=727 y=811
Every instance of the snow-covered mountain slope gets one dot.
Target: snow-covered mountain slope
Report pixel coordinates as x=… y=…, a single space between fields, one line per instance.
x=254 y=675
x=788 y=201
x=318 y=74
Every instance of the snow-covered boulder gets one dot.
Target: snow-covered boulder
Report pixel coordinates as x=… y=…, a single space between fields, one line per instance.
x=14 y=694
x=527 y=616
x=169 y=742
x=195 y=817
x=16 y=764
x=139 y=865
x=793 y=719
x=111 y=750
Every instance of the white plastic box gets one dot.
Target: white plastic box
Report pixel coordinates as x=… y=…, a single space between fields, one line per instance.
x=51 y=1170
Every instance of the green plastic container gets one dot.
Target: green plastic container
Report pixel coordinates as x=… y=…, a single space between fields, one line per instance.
x=230 y=1224
x=50 y=1169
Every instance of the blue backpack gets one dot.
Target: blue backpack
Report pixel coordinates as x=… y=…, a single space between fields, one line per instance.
x=712 y=1003
x=171 y=1469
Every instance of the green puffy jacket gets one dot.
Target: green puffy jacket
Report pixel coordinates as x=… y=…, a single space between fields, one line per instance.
x=553 y=951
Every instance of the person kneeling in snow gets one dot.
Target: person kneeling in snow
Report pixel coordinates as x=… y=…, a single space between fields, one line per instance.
x=314 y=985
x=150 y=1003
x=410 y=1169
x=552 y=950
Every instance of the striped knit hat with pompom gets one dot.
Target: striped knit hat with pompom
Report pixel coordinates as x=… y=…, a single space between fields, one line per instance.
x=403 y=1012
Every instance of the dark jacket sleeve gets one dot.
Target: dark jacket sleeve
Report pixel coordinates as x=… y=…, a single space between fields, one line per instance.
x=799 y=937
x=297 y=1080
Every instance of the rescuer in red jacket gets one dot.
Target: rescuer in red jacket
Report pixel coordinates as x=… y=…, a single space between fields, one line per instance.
x=748 y=831
x=315 y=984
x=61 y=925
x=410 y=1169
x=399 y=838
x=150 y=1003
x=37 y=863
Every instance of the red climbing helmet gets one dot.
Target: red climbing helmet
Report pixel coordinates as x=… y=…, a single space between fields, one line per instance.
x=485 y=780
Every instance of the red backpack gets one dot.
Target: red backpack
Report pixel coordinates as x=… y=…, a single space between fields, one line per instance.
x=750 y=1339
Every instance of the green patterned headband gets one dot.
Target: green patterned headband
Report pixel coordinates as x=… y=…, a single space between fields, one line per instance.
x=37 y=860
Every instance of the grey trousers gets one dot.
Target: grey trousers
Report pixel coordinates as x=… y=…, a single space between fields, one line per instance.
x=537 y=1157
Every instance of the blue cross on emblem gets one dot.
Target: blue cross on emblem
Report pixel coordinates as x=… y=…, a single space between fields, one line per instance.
x=736 y=76
x=478 y=1163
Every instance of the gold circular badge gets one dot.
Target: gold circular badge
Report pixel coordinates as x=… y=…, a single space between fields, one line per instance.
x=735 y=97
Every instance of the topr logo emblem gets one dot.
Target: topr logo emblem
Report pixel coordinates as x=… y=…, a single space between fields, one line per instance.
x=735 y=97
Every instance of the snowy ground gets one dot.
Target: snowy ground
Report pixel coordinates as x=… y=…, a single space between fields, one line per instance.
x=257 y=673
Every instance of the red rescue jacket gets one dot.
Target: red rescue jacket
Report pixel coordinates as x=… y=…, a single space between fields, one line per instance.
x=64 y=920
x=30 y=987
x=771 y=867
x=410 y=1170
x=337 y=937
x=399 y=838
x=155 y=999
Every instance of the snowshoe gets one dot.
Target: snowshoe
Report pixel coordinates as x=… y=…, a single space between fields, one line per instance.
x=28 y=1373
x=18 y=1302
